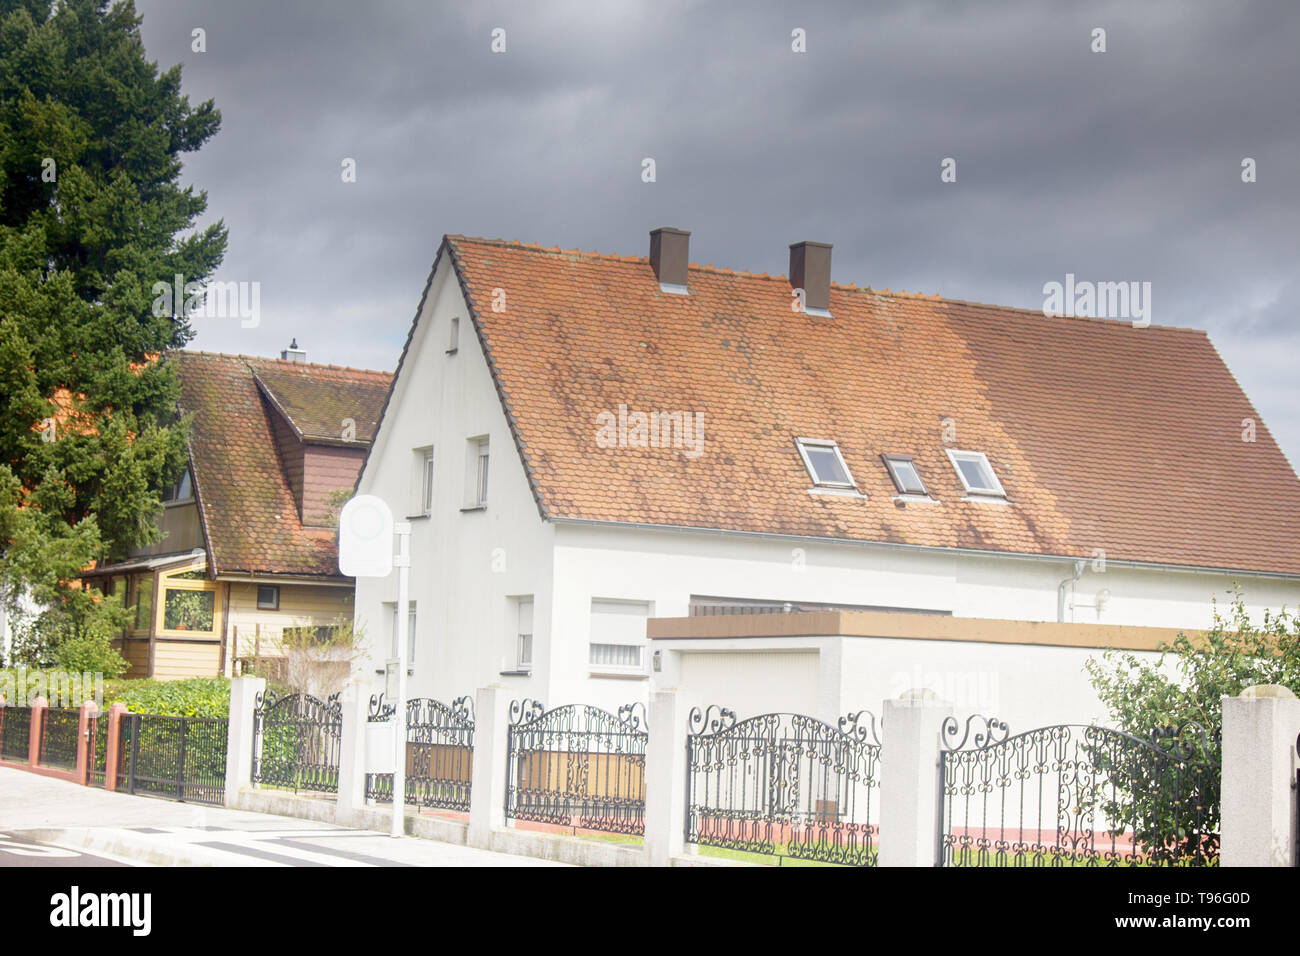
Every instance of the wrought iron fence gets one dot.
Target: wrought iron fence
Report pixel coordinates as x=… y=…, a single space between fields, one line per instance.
x=58 y=745
x=297 y=740
x=15 y=732
x=577 y=766
x=439 y=753
x=1075 y=795
x=181 y=758
x=97 y=749
x=784 y=784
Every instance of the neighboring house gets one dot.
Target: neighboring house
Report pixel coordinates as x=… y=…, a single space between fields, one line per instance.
x=883 y=451
x=249 y=538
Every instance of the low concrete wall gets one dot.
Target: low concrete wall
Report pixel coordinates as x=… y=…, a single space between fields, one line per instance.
x=559 y=848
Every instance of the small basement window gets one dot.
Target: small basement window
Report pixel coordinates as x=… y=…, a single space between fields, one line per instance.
x=976 y=473
x=825 y=464
x=906 y=478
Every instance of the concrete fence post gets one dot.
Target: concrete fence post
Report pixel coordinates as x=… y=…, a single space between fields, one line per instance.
x=909 y=781
x=665 y=778
x=1258 y=805
x=85 y=755
x=487 y=795
x=239 y=740
x=352 y=752
x=39 y=706
x=113 y=746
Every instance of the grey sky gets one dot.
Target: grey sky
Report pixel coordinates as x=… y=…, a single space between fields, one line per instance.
x=1123 y=165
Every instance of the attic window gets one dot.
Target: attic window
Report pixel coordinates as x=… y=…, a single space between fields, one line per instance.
x=825 y=464
x=906 y=478
x=453 y=339
x=976 y=473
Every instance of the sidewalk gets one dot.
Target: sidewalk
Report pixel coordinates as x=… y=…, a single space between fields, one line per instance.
x=152 y=831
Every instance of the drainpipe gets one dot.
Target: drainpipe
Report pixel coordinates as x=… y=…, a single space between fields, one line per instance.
x=1060 y=590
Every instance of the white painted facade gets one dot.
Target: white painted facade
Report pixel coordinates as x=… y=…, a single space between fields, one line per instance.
x=471 y=567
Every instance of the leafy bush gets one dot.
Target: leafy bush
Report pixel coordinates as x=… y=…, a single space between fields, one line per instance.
x=1187 y=683
x=195 y=697
x=91 y=654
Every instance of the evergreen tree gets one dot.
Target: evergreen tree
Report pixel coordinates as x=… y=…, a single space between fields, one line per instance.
x=92 y=214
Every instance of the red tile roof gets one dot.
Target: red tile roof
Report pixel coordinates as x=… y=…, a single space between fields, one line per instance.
x=250 y=519
x=1105 y=436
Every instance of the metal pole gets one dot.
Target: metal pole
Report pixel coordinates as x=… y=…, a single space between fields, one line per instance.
x=403 y=564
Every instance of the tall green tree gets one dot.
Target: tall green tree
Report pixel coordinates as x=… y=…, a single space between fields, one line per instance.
x=92 y=214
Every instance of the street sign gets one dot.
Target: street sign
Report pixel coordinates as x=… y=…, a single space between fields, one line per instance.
x=366 y=538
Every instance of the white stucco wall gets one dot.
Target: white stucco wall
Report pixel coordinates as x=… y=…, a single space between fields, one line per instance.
x=666 y=567
x=828 y=677
x=464 y=564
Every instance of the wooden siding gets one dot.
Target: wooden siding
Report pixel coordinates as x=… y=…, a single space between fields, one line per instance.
x=175 y=660
x=326 y=469
x=136 y=653
x=301 y=605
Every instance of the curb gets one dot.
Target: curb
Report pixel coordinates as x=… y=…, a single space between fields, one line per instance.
x=137 y=847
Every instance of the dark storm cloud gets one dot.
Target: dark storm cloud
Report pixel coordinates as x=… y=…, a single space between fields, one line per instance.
x=1116 y=166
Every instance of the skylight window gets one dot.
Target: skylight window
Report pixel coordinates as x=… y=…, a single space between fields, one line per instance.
x=825 y=463
x=906 y=478
x=976 y=473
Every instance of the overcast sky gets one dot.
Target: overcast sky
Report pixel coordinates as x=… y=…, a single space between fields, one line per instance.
x=1122 y=165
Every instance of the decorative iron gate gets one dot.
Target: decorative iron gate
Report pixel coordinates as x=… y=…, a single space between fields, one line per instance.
x=439 y=753
x=577 y=766
x=180 y=758
x=783 y=784
x=15 y=732
x=1075 y=795
x=297 y=742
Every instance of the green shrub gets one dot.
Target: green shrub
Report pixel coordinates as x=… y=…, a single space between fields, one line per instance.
x=195 y=697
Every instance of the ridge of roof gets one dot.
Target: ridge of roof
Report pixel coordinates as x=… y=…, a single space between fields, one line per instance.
x=843 y=287
x=284 y=363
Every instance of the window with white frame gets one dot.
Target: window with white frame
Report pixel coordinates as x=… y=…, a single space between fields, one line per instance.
x=522 y=634
x=476 y=472
x=903 y=471
x=410 y=632
x=825 y=464
x=617 y=634
x=268 y=597
x=976 y=474
x=421 y=487
x=426 y=481
x=453 y=337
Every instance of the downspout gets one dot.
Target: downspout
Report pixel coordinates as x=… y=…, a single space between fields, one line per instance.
x=1060 y=590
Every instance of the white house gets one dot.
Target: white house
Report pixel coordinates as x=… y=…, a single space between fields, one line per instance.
x=583 y=442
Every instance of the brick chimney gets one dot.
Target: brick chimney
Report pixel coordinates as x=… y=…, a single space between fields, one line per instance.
x=810 y=270
x=669 y=253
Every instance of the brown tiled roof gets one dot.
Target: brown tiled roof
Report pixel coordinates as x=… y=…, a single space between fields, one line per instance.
x=318 y=399
x=250 y=519
x=1105 y=436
